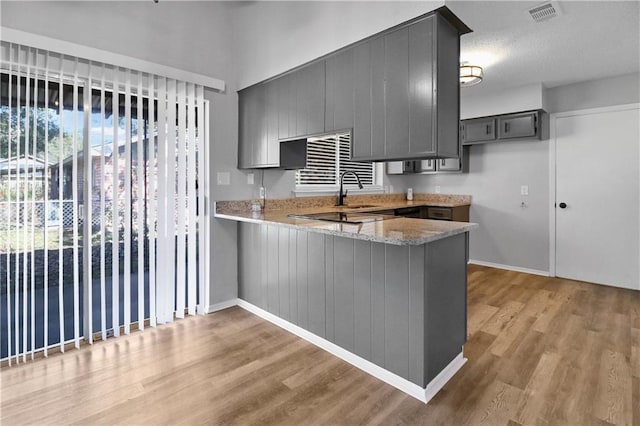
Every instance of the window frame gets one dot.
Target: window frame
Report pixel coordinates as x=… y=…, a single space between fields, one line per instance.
x=377 y=173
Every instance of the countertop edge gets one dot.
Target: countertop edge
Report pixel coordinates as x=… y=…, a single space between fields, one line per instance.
x=463 y=227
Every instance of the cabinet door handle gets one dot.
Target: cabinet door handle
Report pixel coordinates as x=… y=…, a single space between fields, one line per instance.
x=442 y=162
x=506 y=127
x=488 y=129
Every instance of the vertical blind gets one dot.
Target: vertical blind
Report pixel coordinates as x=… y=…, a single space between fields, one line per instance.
x=330 y=156
x=103 y=184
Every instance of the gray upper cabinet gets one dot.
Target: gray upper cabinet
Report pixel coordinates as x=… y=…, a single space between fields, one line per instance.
x=414 y=93
x=309 y=85
x=478 y=130
x=361 y=137
x=516 y=126
x=340 y=87
x=258 y=127
x=398 y=91
x=287 y=107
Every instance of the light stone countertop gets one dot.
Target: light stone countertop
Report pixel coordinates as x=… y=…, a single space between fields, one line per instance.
x=396 y=230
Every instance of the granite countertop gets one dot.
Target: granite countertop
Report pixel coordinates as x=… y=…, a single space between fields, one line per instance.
x=395 y=230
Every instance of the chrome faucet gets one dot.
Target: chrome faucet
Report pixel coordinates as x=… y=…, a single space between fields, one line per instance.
x=342 y=196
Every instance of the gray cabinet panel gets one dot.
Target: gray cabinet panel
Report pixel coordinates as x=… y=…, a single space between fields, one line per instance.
x=273 y=299
x=449 y=164
x=245 y=147
x=271 y=157
x=421 y=105
x=478 y=129
x=339 y=91
x=293 y=276
x=286 y=106
x=416 y=315
x=522 y=125
x=361 y=135
x=446 y=287
x=362 y=298
x=517 y=126
x=309 y=85
x=316 y=282
x=397 y=310
x=401 y=307
x=302 y=274
x=378 y=316
x=329 y=280
x=343 y=292
x=283 y=273
x=397 y=93
x=246 y=264
x=378 y=122
x=447 y=98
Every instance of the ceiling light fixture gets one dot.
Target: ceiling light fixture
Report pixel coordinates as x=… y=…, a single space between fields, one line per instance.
x=470 y=75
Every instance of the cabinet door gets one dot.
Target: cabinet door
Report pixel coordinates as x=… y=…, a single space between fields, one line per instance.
x=245 y=145
x=517 y=125
x=286 y=106
x=272 y=156
x=426 y=165
x=339 y=91
x=309 y=85
x=378 y=138
x=421 y=88
x=449 y=164
x=258 y=124
x=478 y=130
x=361 y=134
x=396 y=71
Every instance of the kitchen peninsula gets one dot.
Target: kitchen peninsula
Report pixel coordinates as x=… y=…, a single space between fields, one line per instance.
x=385 y=293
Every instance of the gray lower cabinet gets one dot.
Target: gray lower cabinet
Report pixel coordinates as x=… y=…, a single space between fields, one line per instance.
x=400 y=307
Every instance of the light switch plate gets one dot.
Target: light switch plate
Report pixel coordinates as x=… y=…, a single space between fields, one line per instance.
x=250 y=179
x=524 y=190
x=224 y=178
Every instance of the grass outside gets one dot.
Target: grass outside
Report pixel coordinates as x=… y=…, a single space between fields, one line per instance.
x=13 y=239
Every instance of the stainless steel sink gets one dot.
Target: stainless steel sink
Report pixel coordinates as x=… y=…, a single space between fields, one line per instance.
x=343 y=217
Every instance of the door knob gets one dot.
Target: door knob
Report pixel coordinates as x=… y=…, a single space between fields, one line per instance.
x=562 y=205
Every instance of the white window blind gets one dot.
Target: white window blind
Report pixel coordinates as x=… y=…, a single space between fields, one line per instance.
x=103 y=188
x=327 y=158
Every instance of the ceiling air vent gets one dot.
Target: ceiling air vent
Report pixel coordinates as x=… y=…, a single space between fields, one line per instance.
x=545 y=11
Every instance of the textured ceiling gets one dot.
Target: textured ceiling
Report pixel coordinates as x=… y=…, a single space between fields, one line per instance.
x=588 y=40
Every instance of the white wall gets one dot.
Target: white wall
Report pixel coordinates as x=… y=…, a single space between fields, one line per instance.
x=509 y=234
x=273 y=37
x=195 y=36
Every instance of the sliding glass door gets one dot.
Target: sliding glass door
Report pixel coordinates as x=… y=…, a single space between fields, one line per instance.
x=100 y=226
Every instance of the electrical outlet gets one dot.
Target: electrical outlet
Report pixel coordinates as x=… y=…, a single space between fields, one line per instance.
x=437 y=189
x=224 y=178
x=524 y=190
x=262 y=193
x=250 y=179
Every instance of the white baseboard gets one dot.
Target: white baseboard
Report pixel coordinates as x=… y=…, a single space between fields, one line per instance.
x=421 y=394
x=222 y=305
x=509 y=267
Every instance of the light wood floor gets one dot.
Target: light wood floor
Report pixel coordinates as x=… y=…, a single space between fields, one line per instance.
x=541 y=351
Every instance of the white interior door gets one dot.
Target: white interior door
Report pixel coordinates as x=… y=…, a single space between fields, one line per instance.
x=598 y=196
